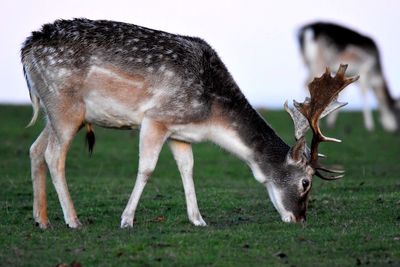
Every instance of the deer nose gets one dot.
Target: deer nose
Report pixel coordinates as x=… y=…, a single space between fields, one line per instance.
x=301 y=219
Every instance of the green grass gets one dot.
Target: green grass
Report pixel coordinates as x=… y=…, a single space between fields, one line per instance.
x=354 y=221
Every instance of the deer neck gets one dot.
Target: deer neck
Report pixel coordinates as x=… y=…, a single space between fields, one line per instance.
x=242 y=131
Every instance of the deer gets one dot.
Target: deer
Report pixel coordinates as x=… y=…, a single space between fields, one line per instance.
x=327 y=44
x=177 y=90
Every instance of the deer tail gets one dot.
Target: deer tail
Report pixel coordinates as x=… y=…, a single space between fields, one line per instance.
x=34 y=98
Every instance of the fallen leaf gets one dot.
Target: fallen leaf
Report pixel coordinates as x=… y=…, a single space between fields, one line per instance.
x=159 y=219
x=301 y=239
x=75 y=264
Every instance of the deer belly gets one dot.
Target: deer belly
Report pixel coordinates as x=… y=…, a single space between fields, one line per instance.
x=112 y=113
x=114 y=98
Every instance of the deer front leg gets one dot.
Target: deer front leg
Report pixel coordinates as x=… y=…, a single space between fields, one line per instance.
x=184 y=158
x=38 y=173
x=152 y=138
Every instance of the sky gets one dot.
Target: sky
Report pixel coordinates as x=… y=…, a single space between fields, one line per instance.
x=255 y=39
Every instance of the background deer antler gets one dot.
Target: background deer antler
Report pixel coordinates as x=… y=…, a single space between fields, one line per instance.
x=322 y=101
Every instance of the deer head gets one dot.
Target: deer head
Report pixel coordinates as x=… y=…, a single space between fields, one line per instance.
x=290 y=194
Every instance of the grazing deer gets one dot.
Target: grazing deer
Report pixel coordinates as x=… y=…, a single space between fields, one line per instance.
x=327 y=44
x=176 y=89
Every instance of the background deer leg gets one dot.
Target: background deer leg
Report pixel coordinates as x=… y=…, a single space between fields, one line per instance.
x=38 y=173
x=386 y=115
x=367 y=112
x=331 y=119
x=184 y=158
x=152 y=138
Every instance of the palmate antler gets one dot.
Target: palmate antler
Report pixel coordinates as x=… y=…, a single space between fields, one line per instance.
x=323 y=92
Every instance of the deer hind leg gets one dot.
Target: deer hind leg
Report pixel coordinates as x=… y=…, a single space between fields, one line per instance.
x=152 y=138
x=367 y=111
x=387 y=115
x=63 y=129
x=38 y=173
x=183 y=155
x=331 y=119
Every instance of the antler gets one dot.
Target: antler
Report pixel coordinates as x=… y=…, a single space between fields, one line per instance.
x=323 y=92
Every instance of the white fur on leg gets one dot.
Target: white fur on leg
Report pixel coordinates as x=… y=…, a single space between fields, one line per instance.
x=184 y=158
x=129 y=212
x=152 y=138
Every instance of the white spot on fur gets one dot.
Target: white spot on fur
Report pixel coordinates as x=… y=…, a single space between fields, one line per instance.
x=169 y=73
x=51 y=60
x=195 y=104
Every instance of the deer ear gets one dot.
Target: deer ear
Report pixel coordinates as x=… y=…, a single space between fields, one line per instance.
x=296 y=153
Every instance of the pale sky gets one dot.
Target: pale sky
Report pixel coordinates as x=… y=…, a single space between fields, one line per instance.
x=256 y=39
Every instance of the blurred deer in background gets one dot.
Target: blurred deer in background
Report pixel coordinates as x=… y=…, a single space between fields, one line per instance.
x=327 y=44
x=176 y=88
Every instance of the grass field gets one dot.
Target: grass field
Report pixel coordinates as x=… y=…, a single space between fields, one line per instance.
x=354 y=221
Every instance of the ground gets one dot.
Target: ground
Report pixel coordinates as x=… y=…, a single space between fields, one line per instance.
x=354 y=221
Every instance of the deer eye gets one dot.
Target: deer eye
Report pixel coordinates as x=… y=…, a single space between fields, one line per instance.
x=305 y=183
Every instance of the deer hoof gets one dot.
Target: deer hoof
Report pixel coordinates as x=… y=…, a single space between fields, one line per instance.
x=75 y=224
x=199 y=222
x=43 y=225
x=126 y=222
